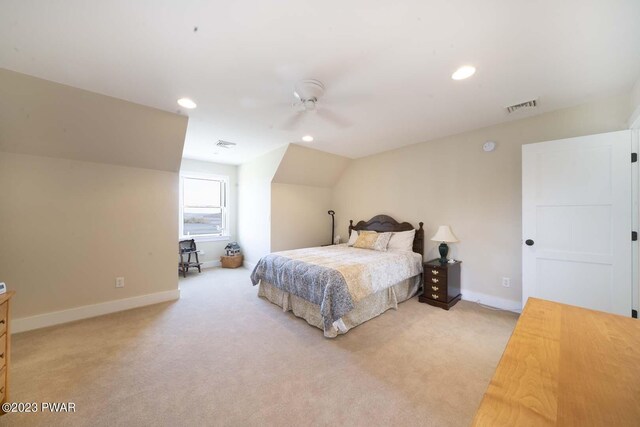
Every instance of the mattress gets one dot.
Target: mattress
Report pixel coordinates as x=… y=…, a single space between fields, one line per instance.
x=336 y=278
x=365 y=309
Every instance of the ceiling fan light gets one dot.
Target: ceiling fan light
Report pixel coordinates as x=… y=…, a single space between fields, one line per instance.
x=309 y=104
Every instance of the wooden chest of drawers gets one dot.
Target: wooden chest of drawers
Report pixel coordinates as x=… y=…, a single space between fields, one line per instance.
x=5 y=346
x=441 y=286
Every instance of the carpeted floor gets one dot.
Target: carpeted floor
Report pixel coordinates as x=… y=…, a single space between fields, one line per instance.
x=222 y=356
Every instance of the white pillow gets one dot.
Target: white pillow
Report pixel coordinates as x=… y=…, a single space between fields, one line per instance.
x=402 y=241
x=352 y=238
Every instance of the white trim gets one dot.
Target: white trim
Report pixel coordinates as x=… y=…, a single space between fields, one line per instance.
x=204 y=175
x=635 y=202
x=249 y=265
x=206 y=238
x=491 y=301
x=86 y=311
x=224 y=207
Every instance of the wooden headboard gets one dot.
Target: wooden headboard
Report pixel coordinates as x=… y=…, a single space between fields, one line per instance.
x=384 y=223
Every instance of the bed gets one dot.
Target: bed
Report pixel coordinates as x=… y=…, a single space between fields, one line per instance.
x=339 y=287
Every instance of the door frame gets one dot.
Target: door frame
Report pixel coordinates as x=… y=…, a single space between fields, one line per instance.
x=634 y=223
x=635 y=216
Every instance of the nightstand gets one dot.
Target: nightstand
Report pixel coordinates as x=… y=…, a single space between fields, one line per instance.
x=441 y=284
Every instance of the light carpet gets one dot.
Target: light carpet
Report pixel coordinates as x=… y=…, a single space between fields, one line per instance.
x=222 y=356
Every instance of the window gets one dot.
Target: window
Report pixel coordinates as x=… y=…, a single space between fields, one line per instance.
x=203 y=205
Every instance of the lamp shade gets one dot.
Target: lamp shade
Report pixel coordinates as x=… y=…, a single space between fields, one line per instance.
x=444 y=234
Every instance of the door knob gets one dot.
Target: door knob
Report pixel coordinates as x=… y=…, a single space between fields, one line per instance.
x=529 y=242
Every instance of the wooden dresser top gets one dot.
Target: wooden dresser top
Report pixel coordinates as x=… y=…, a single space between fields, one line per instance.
x=6 y=296
x=566 y=365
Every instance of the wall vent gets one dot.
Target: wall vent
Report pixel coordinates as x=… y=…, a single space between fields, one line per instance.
x=523 y=105
x=225 y=144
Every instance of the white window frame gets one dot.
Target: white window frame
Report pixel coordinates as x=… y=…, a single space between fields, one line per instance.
x=225 y=208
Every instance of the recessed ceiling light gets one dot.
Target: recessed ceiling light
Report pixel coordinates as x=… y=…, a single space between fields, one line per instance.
x=307 y=138
x=187 y=103
x=463 y=72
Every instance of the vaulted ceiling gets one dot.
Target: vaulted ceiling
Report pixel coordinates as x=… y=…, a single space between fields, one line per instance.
x=386 y=65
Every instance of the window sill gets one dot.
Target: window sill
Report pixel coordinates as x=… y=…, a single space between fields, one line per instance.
x=199 y=239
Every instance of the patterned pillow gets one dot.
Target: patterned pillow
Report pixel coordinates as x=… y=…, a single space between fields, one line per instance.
x=375 y=241
x=354 y=236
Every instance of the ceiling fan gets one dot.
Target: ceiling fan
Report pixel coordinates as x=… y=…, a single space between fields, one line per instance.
x=307 y=93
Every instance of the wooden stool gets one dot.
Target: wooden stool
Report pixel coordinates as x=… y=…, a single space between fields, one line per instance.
x=188 y=247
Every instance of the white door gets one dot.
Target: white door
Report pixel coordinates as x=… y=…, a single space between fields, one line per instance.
x=576 y=221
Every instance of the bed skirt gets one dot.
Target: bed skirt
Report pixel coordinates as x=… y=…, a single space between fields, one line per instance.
x=366 y=309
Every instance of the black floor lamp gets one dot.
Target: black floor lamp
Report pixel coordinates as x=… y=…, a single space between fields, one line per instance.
x=333 y=219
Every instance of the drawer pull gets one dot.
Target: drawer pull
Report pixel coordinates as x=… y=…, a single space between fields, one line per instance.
x=2 y=390
x=434 y=296
x=2 y=355
x=434 y=280
x=435 y=288
x=435 y=272
x=2 y=322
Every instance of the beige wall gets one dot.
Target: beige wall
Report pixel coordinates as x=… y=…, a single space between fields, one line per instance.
x=306 y=166
x=44 y=118
x=284 y=197
x=69 y=228
x=299 y=216
x=88 y=193
x=254 y=204
x=301 y=196
x=452 y=181
x=634 y=119
x=214 y=250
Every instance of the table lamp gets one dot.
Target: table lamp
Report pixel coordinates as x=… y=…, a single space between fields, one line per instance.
x=444 y=235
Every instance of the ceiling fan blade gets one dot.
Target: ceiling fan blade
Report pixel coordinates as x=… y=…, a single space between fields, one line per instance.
x=293 y=121
x=333 y=118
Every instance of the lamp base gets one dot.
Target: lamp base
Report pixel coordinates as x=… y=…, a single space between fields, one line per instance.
x=443 y=249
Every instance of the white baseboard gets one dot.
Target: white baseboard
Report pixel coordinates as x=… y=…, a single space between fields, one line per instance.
x=211 y=264
x=249 y=265
x=86 y=311
x=491 y=301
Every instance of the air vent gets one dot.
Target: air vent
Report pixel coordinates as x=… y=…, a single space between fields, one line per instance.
x=225 y=144
x=522 y=106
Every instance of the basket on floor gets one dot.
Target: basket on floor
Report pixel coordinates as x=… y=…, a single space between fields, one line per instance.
x=233 y=261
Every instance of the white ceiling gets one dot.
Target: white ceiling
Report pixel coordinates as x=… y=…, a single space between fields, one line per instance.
x=386 y=67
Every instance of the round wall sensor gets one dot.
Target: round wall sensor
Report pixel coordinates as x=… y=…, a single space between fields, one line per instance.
x=489 y=146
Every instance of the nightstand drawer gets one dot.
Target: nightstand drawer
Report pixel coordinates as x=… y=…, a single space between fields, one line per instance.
x=436 y=280
x=436 y=271
x=435 y=287
x=440 y=295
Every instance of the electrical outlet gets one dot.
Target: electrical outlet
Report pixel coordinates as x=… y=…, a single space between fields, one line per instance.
x=119 y=282
x=506 y=282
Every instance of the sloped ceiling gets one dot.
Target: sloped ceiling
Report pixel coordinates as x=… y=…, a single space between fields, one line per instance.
x=306 y=166
x=386 y=65
x=43 y=118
